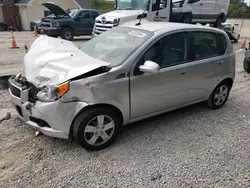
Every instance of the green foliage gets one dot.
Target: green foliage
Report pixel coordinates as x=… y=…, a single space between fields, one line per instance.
x=238 y=9
x=102 y=5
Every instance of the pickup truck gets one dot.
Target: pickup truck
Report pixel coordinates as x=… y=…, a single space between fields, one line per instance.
x=68 y=24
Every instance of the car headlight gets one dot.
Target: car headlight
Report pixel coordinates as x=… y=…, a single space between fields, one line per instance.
x=178 y=4
x=52 y=93
x=55 y=24
x=116 y=22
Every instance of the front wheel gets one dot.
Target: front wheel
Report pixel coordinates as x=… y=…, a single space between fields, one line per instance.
x=246 y=65
x=219 y=96
x=67 y=34
x=96 y=128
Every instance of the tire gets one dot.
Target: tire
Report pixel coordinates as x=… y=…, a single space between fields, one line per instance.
x=246 y=65
x=67 y=34
x=91 y=136
x=219 y=96
x=187 y=19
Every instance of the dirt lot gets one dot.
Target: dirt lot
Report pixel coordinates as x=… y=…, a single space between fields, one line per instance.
x=191 y=147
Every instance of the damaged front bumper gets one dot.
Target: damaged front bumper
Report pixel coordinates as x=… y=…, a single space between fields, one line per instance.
x=50 y=118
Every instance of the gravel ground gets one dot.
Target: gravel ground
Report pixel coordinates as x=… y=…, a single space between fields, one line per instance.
x=191 y=147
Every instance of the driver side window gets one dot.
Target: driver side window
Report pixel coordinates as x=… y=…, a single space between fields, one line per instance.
x=168 y=51
x=84 y=15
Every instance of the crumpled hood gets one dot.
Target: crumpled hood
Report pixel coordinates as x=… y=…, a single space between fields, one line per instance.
x=110 y=16
x=52 y=61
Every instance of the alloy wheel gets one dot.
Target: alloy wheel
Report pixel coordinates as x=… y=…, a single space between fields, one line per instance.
x=99 y=130
x=221 y=95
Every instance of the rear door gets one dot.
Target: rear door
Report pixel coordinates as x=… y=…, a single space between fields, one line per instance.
x=84 y=23
x=160 y=10
x=207 y=55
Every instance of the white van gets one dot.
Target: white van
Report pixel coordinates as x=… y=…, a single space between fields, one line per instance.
x=184 y=11
x=200 y=11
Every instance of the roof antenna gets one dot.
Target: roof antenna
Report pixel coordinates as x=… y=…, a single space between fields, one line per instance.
x=142 y=15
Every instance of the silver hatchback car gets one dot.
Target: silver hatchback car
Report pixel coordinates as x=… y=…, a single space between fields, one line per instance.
x=129 y=73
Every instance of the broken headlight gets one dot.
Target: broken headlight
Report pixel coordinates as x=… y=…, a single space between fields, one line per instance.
x=52 y=93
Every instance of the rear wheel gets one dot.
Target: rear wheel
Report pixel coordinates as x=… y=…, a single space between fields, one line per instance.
x=67 y=34
x=96 y=128
x=219 y=96
x=246 y=65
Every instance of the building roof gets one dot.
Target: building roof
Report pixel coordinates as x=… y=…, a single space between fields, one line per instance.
x=83 y=4
x=21 y=2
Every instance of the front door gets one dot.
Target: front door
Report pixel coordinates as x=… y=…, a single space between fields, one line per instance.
x=152 y=93
x=159 y=10
x=84 y=23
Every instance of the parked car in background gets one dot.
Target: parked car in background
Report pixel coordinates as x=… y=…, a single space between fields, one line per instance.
x=68 y=24
x=5 y=27
x=126 y=74
x=232 y=28
x=37 y=24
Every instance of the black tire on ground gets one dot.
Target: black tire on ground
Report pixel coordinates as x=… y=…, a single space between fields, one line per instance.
x=83 y=137
x=67 y=34
x=187 y=19
x=216 y=103
x=246 y=65
x=4 y=82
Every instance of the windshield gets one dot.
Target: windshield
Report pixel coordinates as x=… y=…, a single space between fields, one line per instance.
x=116 y=45
x=132 y=4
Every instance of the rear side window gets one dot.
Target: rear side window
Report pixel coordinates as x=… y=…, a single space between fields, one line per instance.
x=223 y=42
x=85 y=15
x=204 y=45
x=94 y=14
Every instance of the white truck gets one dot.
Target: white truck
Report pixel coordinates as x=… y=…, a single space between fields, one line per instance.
x=184 y=11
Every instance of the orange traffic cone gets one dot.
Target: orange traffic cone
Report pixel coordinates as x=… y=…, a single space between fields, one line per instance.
x=243 y=45
x=13 y=42
x=26 y=48
x=35 y=32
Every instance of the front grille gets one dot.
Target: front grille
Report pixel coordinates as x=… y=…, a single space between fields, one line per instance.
x=32 y=93
x=15 y=91
x=45 y=23
x=107 y=22
x=104 y=26
x=19 y=110
x=40 y=122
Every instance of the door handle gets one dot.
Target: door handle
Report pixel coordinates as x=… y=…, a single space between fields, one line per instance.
x=201 y=4
x=183 y=72
x=220 y=62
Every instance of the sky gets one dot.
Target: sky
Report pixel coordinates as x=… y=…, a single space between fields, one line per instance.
x=247 y=1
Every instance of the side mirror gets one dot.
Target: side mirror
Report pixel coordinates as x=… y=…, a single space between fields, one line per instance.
x=150 y=67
